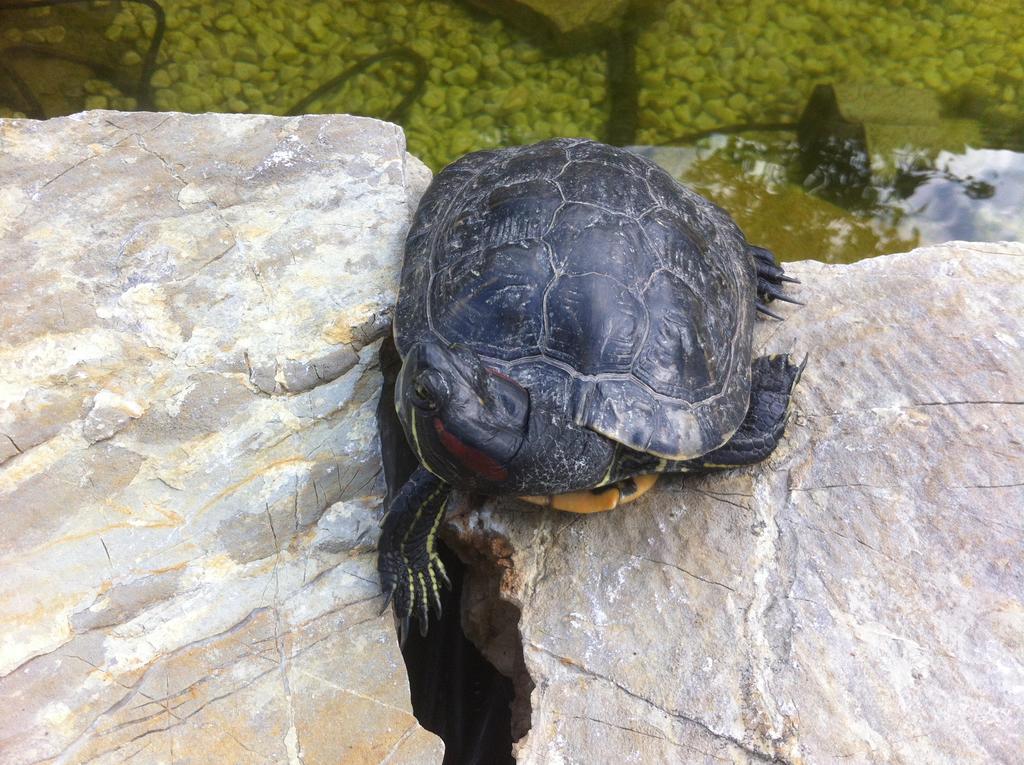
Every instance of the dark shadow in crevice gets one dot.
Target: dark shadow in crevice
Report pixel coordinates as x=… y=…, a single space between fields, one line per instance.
x=456 y=692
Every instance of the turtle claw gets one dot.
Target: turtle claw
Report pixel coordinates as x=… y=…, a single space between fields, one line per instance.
x=391 y=568
x=800 y=370
x=772 y=292
x=413 y=589
x=438 y=610
x=770 y=278
x=388 y=591
x=440 y=570
x=762 y=308
x=423 y=615
x=403 y=632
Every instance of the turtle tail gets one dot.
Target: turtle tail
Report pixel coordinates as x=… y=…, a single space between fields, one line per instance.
x=770 y=278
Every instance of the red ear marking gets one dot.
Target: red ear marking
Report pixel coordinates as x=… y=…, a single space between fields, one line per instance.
x=471 y=458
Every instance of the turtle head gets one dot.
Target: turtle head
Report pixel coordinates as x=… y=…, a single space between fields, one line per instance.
x=465 y=421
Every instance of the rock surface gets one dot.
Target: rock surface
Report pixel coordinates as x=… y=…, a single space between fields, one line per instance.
x=858 y=598
x=189 y=477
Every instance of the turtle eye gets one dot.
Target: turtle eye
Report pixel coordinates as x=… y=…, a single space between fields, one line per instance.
x=422 y=396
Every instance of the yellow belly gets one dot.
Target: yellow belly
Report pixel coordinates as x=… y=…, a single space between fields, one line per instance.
x=591 y=501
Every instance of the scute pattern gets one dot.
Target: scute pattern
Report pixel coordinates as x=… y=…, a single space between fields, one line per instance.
x=679 y=330
x=579 y=151
x=671 y=196
x=495 y=292
x=594 y=278
x=594 y=323
x=582 y=230
x=679 y=247
x=610 y=187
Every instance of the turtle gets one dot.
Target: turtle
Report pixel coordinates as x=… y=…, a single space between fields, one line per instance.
x=571 y=323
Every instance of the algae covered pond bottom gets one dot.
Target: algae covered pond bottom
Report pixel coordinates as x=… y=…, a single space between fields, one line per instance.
x=833 y=130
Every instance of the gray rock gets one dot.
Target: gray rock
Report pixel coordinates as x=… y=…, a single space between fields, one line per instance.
x=857 y=598
x=189 y=472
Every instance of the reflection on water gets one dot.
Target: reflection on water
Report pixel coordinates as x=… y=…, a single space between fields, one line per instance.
x=989 y=207
x=972 y=196
x=750 y=180
x=882 y=124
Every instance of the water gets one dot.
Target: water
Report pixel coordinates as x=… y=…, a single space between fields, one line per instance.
x=922 y=143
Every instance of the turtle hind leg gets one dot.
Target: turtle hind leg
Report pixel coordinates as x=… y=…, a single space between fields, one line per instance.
x=770 y=278
x=772 y=381
x=633 y=473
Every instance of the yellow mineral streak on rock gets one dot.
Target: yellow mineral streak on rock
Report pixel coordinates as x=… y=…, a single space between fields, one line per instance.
x=339 y=330
x=107 y=399
x=218 y=567
x=33 y=364
x=163 y=519
x=38 y=460
x=144 y=308
x=167 y=517
x=77 y=537
x=180 y=566
x=35 y=631
x=262 y=473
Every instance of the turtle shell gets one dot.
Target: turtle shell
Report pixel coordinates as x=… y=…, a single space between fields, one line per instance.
x=594 y=279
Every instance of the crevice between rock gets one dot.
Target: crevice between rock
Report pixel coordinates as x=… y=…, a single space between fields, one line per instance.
x=490 y=620
x=468 y=676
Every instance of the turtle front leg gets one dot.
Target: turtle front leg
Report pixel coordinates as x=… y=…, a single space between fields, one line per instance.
x=410 y=569
x=770 y=278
